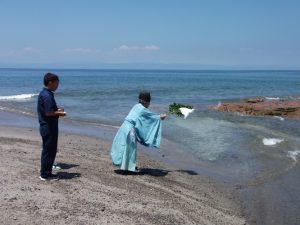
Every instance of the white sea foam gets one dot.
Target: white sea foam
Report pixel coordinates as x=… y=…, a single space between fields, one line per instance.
x=21 y=97
x=272 y=98
x=279 y=117
x=3 y=108
x=240 y=114
x=293 y=155
x=271 y=141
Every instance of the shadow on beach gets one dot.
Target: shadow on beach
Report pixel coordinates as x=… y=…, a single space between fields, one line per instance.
x=189 y=172
x=65 y=166
x=153 y=172
x=68 y=176
x=144 y=171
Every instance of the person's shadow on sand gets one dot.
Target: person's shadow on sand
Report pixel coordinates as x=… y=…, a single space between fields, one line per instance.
x=153 y=172
x=65 y=166
x=68 y=176
x=189 y=172
x=144 y=171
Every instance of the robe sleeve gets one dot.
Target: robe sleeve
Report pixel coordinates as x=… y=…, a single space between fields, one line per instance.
x=148 y=129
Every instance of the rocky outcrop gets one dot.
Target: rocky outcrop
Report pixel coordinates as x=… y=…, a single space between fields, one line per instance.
x=263 y=107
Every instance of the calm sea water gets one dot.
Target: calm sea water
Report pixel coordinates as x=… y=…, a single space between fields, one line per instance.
x=231 y=147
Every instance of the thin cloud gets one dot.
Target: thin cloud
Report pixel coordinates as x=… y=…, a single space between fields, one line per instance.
x=30 y=50
x=137 y=48
x=21 y=52
x=81 y=50
x=127 y=48
x=151 y=48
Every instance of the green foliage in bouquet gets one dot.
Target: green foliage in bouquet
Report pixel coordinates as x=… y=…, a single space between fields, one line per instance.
x=174 y=108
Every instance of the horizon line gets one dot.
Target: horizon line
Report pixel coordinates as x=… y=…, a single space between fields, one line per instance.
x=149 y=69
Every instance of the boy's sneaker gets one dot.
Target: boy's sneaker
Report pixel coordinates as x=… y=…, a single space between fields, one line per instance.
x=50 y=177
x=56 y=167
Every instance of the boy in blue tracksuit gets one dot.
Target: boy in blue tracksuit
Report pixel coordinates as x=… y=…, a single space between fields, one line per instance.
x=48 y=114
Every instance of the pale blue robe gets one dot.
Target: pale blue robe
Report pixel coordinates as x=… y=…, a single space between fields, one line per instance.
x=140 y=125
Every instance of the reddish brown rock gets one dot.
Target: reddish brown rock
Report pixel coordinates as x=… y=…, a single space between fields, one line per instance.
x=255 y=100
x=262 y=107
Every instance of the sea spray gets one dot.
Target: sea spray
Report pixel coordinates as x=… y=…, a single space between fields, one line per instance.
x=271 y=141
x=293 y=154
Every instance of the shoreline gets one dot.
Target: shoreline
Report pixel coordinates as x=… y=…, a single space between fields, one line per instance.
x=92 y=192
x=249 y=202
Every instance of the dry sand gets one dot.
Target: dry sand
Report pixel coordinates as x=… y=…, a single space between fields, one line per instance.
x=90 y=191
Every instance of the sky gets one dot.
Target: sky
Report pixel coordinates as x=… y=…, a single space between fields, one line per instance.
x=172 y=34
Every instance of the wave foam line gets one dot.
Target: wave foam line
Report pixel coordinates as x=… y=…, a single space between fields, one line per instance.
x=17 y=97
x=272 y=98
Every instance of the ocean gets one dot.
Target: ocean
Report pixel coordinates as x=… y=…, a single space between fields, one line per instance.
x=257 y=156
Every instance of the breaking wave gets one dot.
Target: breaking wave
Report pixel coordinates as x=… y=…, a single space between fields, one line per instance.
x=272 y=98
x=21 y=97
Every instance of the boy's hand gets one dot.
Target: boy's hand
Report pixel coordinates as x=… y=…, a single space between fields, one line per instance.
x=163 y=116
x=56 y=113
x=61 y=113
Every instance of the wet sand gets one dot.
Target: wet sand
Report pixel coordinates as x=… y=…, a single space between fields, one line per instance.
x=92 y=191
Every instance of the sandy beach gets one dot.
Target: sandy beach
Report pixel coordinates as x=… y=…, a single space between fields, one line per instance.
x=92 y=191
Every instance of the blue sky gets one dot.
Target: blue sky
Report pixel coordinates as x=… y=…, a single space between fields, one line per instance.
x=150 y=34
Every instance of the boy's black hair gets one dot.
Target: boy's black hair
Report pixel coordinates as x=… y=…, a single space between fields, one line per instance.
x=50 y=77
x=144 y=96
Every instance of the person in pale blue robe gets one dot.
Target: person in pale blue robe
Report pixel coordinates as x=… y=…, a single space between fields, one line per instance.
x=141 y=125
